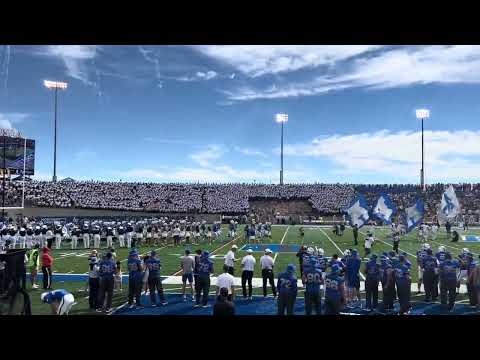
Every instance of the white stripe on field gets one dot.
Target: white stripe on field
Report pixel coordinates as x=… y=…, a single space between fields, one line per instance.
x=333 y=242
x=281 y=242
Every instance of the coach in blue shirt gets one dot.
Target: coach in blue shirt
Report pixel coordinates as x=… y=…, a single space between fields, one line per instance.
x=106 y=271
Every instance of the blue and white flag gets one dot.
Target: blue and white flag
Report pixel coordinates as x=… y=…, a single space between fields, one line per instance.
x=414 y=215
x=384 y=209
x=449 y=207
x=357 y=212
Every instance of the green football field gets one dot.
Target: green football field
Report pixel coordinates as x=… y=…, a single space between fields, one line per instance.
x=76 y=261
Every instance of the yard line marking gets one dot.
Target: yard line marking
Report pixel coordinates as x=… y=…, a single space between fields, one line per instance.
x=328 y=237
x=281 y=242
x=390 y=244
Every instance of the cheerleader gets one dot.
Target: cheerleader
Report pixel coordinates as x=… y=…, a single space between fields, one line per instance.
x=164 y=234
x=188 y=234
x=182 y=235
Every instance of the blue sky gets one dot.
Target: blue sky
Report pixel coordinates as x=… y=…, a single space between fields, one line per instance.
x=206 y=113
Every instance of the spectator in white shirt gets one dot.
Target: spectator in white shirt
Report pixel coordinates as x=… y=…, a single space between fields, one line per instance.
x=226 y=280
x=266 y=263
x=248 y=265
x=230 y=259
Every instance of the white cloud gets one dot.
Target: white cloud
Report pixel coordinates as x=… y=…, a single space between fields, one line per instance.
x=141 y=173
x=257 y=60
x=397 y=67
x=8 y=119
x=250 y=152
x=449 y=155
x=75 y=59
x=204 y=157
x=199 y=75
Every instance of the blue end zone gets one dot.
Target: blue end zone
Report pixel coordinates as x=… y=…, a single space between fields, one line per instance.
x=471 y=238
x=276 y=248
x=268 y=306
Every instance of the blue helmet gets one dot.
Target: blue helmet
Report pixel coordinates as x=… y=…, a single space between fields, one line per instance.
x=133 y=252
x=354 y=252
x=206 y=254
x=392 y=254
x=401 y=257
x=291 y=268
x=373 y=257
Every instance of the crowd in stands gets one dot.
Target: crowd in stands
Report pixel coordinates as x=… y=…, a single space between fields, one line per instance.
x=326 y=199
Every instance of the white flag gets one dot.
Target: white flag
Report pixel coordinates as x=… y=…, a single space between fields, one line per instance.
x=449 y=207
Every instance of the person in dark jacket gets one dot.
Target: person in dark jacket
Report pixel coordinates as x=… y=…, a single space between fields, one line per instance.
x=223 y=307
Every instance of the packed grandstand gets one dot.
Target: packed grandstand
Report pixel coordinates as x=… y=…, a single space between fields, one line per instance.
x=234 y=198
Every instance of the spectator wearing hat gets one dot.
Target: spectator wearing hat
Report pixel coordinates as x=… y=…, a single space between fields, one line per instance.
x=287 y=290
x=227 y=281
x=135 y=271
x=106 y=273
x=223 y=306
x=47 y=262
x=248 y=266
x=230 y=259
x=266 y=264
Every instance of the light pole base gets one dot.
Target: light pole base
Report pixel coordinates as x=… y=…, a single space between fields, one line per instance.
x=54 y=179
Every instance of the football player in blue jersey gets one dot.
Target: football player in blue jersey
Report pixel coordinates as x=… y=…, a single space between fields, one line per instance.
x=312 y=279
x=441 y=257
x=60 y=301
x=135 y=271
x=334 y=291
x=372 y=271
x=430 y=269
x=106 y=272
x=287 y=290
x=420 y=255
x=352 y=266
x=403 y=282
x=388 y=282
x=154 y=280
x=205 y=269
x=448 y=280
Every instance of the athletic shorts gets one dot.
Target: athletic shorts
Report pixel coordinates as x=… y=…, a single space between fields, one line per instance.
x=149 y=235
x=188 y=277
x=139 y=236
x=252 y=237
x=420 y=273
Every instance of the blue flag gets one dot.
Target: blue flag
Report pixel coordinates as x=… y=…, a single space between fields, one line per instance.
x=449 y=206
x=414 y=215
x=357 y=212
x=384 y=209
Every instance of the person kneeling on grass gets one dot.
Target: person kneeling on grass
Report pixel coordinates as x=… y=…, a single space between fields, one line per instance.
x=287 y=290
x=60 y=301
x=223 y=306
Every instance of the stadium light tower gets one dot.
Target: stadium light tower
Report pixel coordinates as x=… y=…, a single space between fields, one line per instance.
x=55 y=85
x=422 y=114
x=281 y=118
